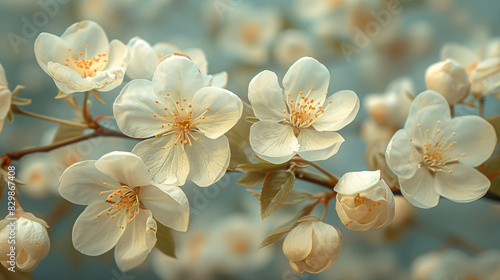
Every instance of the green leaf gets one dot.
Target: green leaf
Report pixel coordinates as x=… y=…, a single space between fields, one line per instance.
x=277 y=185
x=278 y=232
x=65 y=132
x=492 y=165
x=261 y=167
x=238 y=137
x=293 y=197
x=165 y=240
x=97 y=95
x=252 y=179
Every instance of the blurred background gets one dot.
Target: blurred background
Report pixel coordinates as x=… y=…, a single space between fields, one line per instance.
x=363 y=48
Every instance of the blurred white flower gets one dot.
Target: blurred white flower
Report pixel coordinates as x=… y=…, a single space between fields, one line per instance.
x=449 y=79
x=454 y=264
x=299 y=118
x=292 y=44
x=312 y=246
x=391 y=107
x=187 y=118
x=248 y=37
x=435 y=155
x=32 y=241
x=144 y=59
x=122 y=201
x=364 y=201
x=82 y=59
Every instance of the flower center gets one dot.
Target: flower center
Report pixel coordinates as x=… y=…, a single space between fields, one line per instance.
x=437 y=152
x=180 y=122
x=249 y=32
x=303 y=111
x=85 y=66
x=125 y=204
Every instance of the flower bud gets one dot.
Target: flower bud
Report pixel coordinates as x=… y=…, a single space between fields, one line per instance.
x=28 y=236
x=364 y=201
x=312 y=246
x=449 y=79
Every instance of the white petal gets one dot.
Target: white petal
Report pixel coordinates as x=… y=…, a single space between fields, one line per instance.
x=356 y=182
x=94 y=236
x=304 y=74
x=5 y=102
x=3 y=79
x=219 y=79
x=50 y=48
x=134 y=110
x=426 y=109
x=179 y=77
x=168 y=204
x=124 y=167
x=225 y=110
x=298 y=243
x=165 y=48
x=318 y=145
x=266 y=97
x=476 y=138
x=169 y=165
x=485 y=77
x=33 y=238
x=25 y=263
x=143 y=60
x=207 y=159
x=420 y=189
x=400 y=156
x=341 y=112
x=464 y=184
x=136 y=242
x=459 y=53
x=273 y=142
x=117 y=55
x=198 y=57
x=108 y=79
x=86 y=33
x=67 y=80
x=81 y=183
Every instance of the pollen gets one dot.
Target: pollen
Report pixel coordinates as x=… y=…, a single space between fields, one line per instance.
x=303 y=111
x=124 y=202
x=84 y=65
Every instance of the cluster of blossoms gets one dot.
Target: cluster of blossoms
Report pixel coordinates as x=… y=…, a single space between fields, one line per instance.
x=181 y=115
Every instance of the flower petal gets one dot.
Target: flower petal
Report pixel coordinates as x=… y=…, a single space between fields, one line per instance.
x=459 y=53
x=134 y=110
x=117 y=55
x=306 y=74
x=266 y=97
x=67 y=80
x=179 y=77
x=225 y=110
x=168 y=204
x=273 y=142
x=420 y=189
x=475 y=137
x=94 y=236
x=341 y=112
x=108 y=79
x=400 y=156
x=3 y=79
x=298 y=243
x=82 y=182
x=124 y=167
x=136 y=242
x=356 y=182
x=464 y=184
x=318 y=145
x=86 y=33
x=33 y=238
x=426 y=109
x=169 y=165
x=219 y=79
x=143 y=60
x=198 y=57
x=5 y=102
x=207 y=159
x=50 y=48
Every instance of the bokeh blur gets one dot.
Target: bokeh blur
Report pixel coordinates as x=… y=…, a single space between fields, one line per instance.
x=365 y=44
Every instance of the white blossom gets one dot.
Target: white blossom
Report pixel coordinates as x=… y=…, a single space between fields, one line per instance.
x=449 y=79
x=312 y=246
x=5 y=97
x=32 y=242
x=187 y=118
x=435 y=155
x=364 y=201
x=122 y=202
x=299 y=118
x=82 y=58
